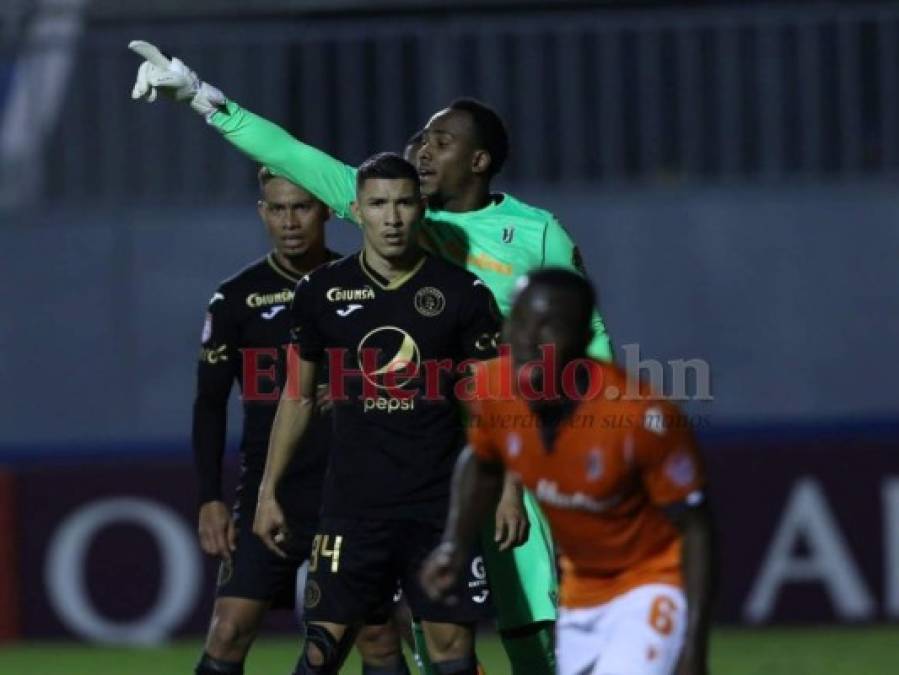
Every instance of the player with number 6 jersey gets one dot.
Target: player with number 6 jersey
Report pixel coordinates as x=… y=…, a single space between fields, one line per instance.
x=617 y=473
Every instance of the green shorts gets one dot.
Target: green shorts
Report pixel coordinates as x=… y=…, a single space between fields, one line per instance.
x=523 y=581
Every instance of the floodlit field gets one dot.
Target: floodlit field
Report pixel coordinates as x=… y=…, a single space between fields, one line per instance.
x=844 y=651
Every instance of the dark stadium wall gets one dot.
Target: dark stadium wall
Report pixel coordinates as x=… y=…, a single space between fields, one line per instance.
x=114 y=557
x=788 y=293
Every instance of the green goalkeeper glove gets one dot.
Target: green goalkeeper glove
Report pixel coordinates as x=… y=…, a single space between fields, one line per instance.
x=174 y=78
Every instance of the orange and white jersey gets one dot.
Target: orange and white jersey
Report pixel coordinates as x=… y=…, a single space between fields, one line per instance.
x=614 y=464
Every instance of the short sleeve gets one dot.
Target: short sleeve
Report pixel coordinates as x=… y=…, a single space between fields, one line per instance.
x=305 y=331
x=480 y=323
x=220 y=336
x=671 y=467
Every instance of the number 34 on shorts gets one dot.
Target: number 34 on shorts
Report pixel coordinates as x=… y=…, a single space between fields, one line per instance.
x=328 y=547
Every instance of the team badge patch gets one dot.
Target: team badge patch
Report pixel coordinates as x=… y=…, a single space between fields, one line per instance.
x=226 y=571
x=429 y=301
x=654 y=421
x=207 y=328
x=313 y=595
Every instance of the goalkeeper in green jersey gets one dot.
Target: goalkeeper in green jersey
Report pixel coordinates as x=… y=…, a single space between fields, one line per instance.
x=496 y=236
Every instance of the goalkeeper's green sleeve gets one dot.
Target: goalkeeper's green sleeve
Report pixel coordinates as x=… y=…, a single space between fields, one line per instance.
x=327 y=178
x=559 y=251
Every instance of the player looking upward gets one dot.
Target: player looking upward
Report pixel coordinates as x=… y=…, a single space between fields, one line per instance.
x=384 y=316
x=250 y=311
x=620 y=481
x=496 y=236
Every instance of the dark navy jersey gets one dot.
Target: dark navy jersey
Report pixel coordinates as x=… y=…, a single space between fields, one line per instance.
x=247 y=328
x=396 y=350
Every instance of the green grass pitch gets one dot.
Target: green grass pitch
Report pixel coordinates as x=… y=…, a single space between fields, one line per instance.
x=825 y=651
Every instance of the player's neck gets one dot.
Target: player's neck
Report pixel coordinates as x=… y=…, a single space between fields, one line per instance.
x=302 y=264
x=391 y=268
x=474 y=198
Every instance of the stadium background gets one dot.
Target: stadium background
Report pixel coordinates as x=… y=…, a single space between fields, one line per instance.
x=728 y=170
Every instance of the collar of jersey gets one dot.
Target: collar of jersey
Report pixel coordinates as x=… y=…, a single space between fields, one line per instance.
x=273 y=263
x=287 y=274
x=496 y=200
x=393 y=284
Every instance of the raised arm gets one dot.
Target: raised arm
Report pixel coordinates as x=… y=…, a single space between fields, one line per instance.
x=328 y=179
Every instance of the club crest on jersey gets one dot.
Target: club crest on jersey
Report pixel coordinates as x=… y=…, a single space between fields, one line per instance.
x=595 y=464
x=429 y=301
x=508 y=233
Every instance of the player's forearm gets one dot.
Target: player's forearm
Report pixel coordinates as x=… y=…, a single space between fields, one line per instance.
x=476 y=490
x=288 y=429
x=512 y=490
x=697 y=563
x=208 y=439
x=328 y=179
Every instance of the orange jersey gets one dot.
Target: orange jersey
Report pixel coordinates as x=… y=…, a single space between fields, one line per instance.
x=613 y=465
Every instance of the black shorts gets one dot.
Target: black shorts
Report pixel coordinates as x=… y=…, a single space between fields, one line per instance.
x=255 y=572
x=356 y=565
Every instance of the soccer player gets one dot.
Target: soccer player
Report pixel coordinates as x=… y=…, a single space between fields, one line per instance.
x=397 y=325
x=496 y=236
x=249 y=311
x=620 y=481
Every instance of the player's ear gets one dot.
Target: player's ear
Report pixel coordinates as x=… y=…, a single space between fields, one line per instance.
x=260 y=209
x=356 y=211
x=480 y=161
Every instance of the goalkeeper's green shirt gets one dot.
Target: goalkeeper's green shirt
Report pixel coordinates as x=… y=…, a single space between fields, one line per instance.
x=499 y=242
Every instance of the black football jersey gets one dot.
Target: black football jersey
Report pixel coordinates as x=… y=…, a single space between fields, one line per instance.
x=246 y=330
x=396 y=350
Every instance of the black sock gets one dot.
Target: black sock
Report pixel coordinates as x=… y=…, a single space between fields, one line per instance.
x=467 y=665
x=399 y=669
x=211 y=666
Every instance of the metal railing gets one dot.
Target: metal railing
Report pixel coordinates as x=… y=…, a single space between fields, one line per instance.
x=610 y=97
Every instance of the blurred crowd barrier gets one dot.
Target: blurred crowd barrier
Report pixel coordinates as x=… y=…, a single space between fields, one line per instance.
x=113 y=556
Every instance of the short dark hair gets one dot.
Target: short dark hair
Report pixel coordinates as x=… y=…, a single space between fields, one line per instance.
x=489 y=128
x=563 y=279
x=414 y=141
x=385 y=165
x=415 y=138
